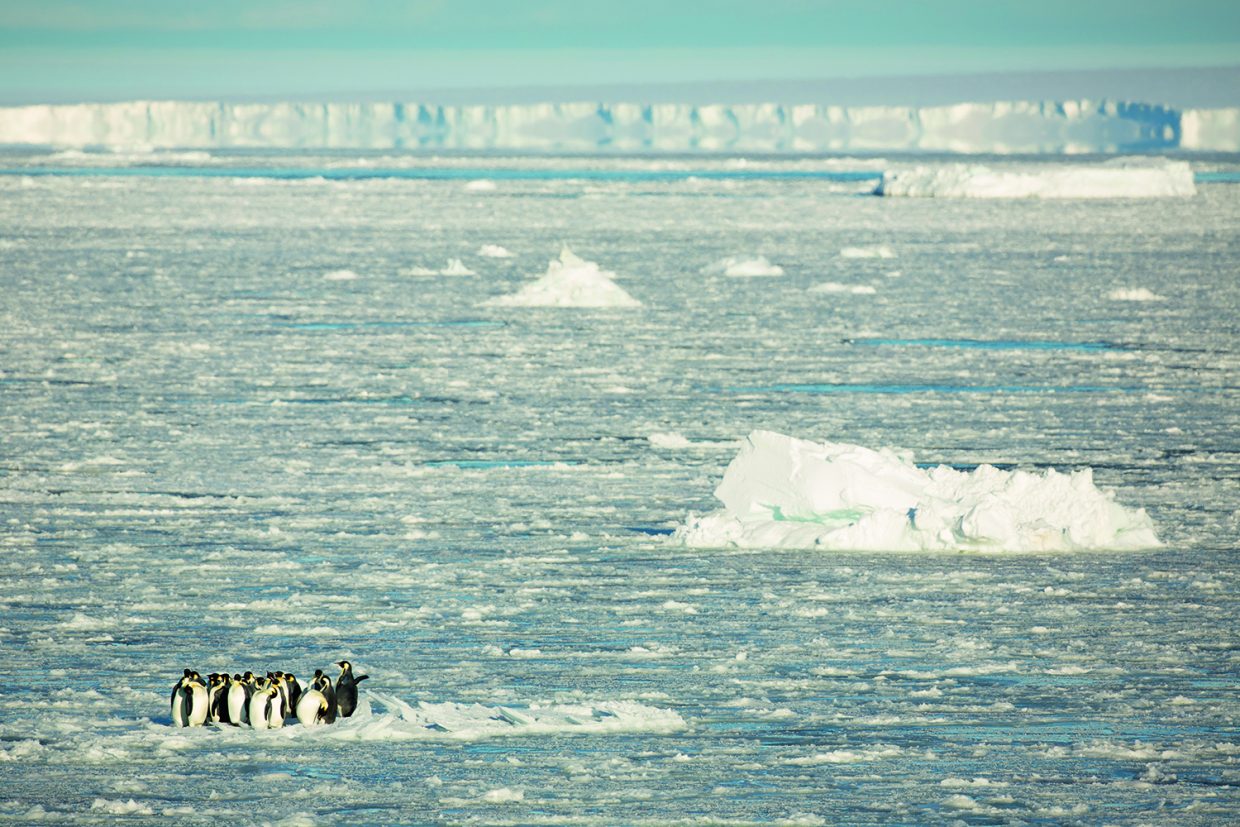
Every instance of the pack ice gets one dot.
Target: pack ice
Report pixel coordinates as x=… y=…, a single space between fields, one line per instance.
x=1125 y=178
x=569 y=281
x=783 y=492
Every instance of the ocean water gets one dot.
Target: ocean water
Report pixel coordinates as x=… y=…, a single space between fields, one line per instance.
x=240 y=428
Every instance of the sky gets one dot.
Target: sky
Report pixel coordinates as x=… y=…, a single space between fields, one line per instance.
x=86 y=50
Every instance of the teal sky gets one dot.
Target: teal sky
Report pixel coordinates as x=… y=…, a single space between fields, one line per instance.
x=121 y=49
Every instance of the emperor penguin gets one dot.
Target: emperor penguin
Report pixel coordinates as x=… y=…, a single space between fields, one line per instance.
x=292 y=694
x=312 y=708
x=346 y=688
x=189 y=700
x=266 y=707
x=238 y=701
x=324 y=685
x=217 y=699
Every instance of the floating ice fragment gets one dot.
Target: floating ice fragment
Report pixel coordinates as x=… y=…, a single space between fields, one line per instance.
x=481 y=185
x=1123 y=178
x=340 y=275
x=456 y=267
x=850 y=289
x=1134 y=294
x=569 y=281
x=782 y=492
x=668 y=440
x=742 y=266
x=872 y=251
x=494 y=251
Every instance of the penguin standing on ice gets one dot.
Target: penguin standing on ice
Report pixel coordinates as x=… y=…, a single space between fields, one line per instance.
x=312 y=707
x=292 y=694
x=189 y=700
x=324 y=685
x=267 y=707
x=217 y=698
x=237 y=697
x=346 y=688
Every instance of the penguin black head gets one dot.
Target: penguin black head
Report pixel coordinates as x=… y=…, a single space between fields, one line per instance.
x=189 y=672
x=236 y=677
x=344 y=665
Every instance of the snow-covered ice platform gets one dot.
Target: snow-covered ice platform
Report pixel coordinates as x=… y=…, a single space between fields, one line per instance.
x=1123 y=178
x=782 y=492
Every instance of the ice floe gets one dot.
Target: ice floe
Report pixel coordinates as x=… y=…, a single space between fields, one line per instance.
x=837 y=287
x=494 y=251
x=1134 y=294
x=870 y=251
x=1123 y=178
x=340 y=275
x=454 y=267
x=570 y=281
x=783 y=492
x=742 y=266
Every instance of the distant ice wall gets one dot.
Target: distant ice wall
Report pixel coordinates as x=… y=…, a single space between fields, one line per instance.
x=1001 y=128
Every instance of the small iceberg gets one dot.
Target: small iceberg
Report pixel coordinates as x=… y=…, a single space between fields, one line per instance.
x=787 y=493
x=743 y=266
x=454 y=267
x=1124 y=178
x=340 y=275
x=872 y=251
x=1134 y=294
x=836 y=287
x=494 y=251
x=569 y=281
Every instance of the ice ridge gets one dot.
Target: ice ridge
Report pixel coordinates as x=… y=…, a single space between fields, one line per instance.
x=996 y=127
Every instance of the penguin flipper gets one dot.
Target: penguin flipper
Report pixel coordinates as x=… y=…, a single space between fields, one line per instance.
x=187 y=706
x=360 y=678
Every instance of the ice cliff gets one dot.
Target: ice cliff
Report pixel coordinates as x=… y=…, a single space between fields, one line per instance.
x=1000 y=128
x=782 y=492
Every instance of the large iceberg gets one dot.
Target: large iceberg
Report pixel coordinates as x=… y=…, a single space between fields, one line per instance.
x=1004 y=127
x=570 y=281
x=1127 y=178
x=783 y=492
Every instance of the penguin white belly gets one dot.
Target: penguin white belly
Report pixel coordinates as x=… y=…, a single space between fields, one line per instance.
x=258 y=710
x=275 y=712
x=198 y=705
x=178 y=702
x=311 y=708
x=238 y=713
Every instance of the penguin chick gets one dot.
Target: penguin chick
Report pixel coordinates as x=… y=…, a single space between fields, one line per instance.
x=346 y=688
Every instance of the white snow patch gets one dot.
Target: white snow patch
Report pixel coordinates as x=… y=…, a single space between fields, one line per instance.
x=783 y=492
x=121 y=808
x=494 y=251
x=481 y=185
x=848 y=756
x=837 y=287
x=742 y=266
x=340 y=275
x=872 y=251
x=1122 y=178
x=569 y=281
x=1134 y=294
x=668 y=440
x=503 y=795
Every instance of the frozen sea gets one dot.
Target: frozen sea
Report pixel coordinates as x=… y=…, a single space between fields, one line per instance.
x=251 y=419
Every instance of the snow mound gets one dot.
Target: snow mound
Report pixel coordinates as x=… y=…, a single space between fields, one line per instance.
x=742 y=266
x=454 y=267
x=494 y=251
x=397 y=720
x=1134 y=294
x=783 y=492
x=1125 y=178
x=872 y=251
x=836 y=287
x=340 y=275
x=569 y=282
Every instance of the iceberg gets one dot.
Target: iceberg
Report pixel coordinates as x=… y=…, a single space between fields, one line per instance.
x=1126 y=178
x=743 y=266
x=781 y=492
x=569 y=281
x=1003 y=127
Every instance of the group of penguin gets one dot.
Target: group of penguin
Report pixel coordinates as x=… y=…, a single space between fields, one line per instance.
x=263 y=703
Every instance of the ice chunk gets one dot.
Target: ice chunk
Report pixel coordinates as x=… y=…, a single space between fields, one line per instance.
x=494 y=251
x=1134 y=294
x=456 y=267
x=872 y=251
x=837 y=287
x=569 y=281
x=743 y=266
x=340 y=275
x=1125 y=178
x=782 y=492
